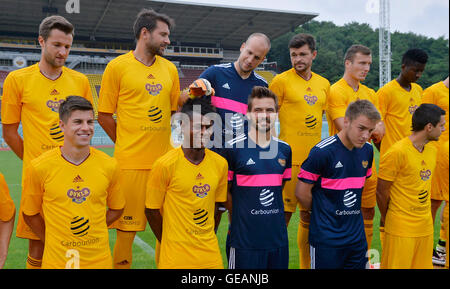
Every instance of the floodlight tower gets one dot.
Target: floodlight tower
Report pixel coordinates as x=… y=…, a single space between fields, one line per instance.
x=384 y=43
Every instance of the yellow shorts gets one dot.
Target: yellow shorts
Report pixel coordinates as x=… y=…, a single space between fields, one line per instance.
x=407 y=252
x=7 y=208
x=134 y=184
x=439 y=181
x=369 y=193
x=289 y=198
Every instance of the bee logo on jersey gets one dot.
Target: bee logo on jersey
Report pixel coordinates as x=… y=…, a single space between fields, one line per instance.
x=56 y=133
x=266 y=197
x=54 y=104
x=79 y=226
x=153 y=89
x=201 y=191
x=310 y=121
x=78 y=196
x=349 y=199
x=155 y=114
x=412 y=106
x=423 y=196
x=200 y=217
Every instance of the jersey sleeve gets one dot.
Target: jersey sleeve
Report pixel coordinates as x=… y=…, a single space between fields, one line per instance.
x=277 y=87
x=371 y=160
x=175 y=92
x=11 y=104
x=313 y=167
x=33 y=192
x=383 y=102
x=87 y=90
x=116 y=198
x=109 y=90
x=391 y=164
x=221 y=192
x=337 y=103
x=428 y=96
x=157 y=186
x=287 y=175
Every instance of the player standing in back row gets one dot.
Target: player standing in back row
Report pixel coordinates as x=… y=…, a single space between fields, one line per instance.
x=142 y=88
x=302 y=98
x=32 y=96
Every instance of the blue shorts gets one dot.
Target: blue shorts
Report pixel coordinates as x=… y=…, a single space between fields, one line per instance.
x=258 y=259
x=350 y=257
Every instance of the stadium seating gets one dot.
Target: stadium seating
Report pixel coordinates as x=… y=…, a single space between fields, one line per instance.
x=189 y=76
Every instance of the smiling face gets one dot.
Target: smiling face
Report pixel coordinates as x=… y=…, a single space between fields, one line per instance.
x=263 y=114
x=359 y=67
x=78 y=128
x=196 y=131
x=56 y=48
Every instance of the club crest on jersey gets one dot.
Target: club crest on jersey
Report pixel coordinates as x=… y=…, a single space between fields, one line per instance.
x=78 y=196
x=282 y=162
x=412 y=108
x=310 y=99
x=54 y=104
x=153 y=89
x=201 y=191
x=425 y=174
x=365 y=164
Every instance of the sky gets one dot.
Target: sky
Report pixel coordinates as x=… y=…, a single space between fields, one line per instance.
x=425 y=17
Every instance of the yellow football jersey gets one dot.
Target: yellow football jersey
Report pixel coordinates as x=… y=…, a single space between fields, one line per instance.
x=396 y=106
x=341 y=95
x=6 y=203
x=301 y=104
x=442 y=170
x=409 y=211
x=143 y=98
x=33 y=99
x=438 y=94
x=74 y=200
x=187 y=194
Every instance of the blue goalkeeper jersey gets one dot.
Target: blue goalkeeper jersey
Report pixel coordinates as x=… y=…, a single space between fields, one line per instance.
x=338 y=175
x=256 y=176
x=231 y=97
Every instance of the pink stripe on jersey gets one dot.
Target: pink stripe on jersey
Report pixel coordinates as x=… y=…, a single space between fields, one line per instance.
x=343 y=184
x=230 y=175
x=229 y=104
x=307 y=175
x=369 y=172
x=287 y=173
x=272 y=180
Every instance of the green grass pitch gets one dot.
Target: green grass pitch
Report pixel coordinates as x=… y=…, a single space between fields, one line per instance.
x=143 y=257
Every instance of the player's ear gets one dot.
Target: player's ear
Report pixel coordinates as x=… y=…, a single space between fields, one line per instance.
x=61 y=125
x=41 y=41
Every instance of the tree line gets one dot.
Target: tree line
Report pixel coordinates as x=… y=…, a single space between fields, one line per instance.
x=332 y=41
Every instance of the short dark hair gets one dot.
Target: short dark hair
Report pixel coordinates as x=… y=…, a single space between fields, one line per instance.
x=147 y=18
x=72 y=103
x=413 y=56
x=204 y=104
x=261 y=92
x=301 y=39
x=55 y=22
x=426 y=113
x=362 y=107
x=356 y=48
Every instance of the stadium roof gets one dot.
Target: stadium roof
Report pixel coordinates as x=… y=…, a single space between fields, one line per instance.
x=112 y=20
